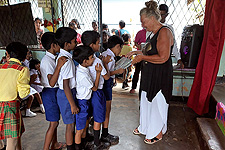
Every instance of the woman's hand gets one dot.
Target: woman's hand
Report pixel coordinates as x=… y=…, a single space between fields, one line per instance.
x=130 y=54
x=137 y=59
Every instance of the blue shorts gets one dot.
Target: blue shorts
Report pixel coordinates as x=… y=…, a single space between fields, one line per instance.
x=107 y=89
x=82 y=116
x=90 y=110
x=52 y=112
x=98 y=102
x=64 y=106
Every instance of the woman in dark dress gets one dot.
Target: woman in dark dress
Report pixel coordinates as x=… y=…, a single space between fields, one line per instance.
x=156 y=76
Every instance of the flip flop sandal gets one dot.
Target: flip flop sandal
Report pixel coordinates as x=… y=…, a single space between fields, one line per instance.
x=136 y=132
x=152 y=141
x=61 y=146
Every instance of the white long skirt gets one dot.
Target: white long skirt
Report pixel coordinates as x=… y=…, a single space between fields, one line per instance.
x=153 y=115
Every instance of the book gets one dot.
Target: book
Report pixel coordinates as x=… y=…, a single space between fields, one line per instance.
x=123 y=63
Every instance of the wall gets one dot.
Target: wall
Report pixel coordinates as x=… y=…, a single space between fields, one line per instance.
x=36 y=54
x=221 y=71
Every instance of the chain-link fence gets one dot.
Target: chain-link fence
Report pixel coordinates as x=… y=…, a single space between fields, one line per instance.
x=59 y=13
x=183 y=13
x=52 y=14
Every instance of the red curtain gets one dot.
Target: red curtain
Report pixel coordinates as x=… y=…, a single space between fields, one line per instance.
x=209 y=58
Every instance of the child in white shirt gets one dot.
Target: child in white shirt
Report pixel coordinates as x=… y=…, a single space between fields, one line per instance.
x=115 y=44
x=98 y=100
x=66 y=94
x=35 y=81
x=84 y=56
x=49 y=77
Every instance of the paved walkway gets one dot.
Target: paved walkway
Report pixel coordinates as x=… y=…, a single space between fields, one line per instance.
x=124 y=118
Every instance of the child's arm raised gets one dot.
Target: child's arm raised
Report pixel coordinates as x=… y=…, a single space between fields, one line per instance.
x=98 y=69
x=52 y=79
x=105 y=61
x=67 y=90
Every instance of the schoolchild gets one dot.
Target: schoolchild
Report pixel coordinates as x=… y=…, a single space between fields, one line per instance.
x=66 y=94
x=28 y=112
x=98 y=100
x=49 y=77
x=35 y=81
x=115 y=45
x=84 y=56
x=26 y=62
x=121 y=31
x=14 y=79
x=126 y=49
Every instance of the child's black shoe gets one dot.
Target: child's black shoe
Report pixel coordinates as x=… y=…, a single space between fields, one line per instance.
x=89 y=137
x=102 y=146
x=113 y=140
x=125 y=86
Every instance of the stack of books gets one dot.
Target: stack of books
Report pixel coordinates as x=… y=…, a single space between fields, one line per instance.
x=123 y=63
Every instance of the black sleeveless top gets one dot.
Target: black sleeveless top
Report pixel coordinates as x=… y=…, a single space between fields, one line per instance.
x=156 y=77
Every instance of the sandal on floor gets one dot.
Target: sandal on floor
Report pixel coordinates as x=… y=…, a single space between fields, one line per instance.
x=61 y=146
x=152 y=141
x=136 y=132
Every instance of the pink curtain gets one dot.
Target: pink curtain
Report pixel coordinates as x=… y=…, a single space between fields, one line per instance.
x=209 y=58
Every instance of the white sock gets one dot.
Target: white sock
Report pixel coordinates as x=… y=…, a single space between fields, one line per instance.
x=28 y=110
x=41 y=105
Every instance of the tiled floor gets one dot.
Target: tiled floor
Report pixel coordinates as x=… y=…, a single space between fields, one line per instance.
x=124 y=118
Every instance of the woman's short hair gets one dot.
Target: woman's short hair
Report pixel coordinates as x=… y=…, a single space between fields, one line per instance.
x=151 y=9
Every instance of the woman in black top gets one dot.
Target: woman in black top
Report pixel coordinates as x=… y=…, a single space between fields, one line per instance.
x=156 y=76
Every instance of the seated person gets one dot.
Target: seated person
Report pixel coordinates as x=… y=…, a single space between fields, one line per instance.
x=36 y=87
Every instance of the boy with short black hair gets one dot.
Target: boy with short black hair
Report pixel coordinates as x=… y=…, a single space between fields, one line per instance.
x=49 y=77
x=14 y=85
x=115 y=44
x=84 y=56
x=66 y=94
x=121 y=31
x=98 y=100
x=126 y=49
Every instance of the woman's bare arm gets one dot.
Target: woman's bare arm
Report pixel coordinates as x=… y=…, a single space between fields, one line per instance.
x=164 y=42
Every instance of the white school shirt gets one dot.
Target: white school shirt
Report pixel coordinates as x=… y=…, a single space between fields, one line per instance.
x=47 y=67
x=38 y=88
x=93 y=72
x=26 y=63
x=68 y=70
x=175 y=50
x=84 y=83
x=111 y=65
